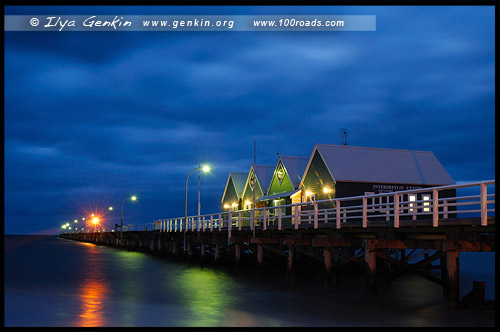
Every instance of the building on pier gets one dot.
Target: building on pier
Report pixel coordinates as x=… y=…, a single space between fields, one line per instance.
x=258 y=179
x=284 y=188
x=336 y=171
x=233 y=192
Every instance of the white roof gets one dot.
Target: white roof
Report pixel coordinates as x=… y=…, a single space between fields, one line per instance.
x=264 y=174
x=361 y=164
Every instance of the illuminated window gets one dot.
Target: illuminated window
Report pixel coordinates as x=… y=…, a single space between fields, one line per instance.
x=280 y=172
x=426 y=197
x=412 y=198
x=310 y=197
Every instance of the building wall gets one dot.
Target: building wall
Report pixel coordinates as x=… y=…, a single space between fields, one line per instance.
x=248 y=196
x=283 y=187
x=231 y=195
x=317 y=178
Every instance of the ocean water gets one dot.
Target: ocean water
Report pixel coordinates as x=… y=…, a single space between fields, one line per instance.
x=56 y=282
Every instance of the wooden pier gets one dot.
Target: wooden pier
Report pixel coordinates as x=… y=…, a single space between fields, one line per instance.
x=418 y=236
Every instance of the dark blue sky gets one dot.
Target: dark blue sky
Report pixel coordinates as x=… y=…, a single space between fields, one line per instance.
x=91 y=117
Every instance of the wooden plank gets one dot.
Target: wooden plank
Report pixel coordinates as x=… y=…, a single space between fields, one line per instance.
x=330 y=243
x=240 y=239
x=467 y=246
x=265 y=240
x=296 y=242
x=385 y=244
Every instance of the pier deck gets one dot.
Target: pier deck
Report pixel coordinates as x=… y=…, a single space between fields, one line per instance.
x=419 y=236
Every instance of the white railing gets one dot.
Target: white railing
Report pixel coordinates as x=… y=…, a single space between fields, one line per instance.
x=439 y=204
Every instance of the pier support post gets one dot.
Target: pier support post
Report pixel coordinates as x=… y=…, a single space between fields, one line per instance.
x=237 y=252
x=327 y=253
x=371 y=261
x=174 y=247
x=452 y=284
x=202 y=250
x=189 y=249
x=291 y=252
x=260 y=254
x=217 y=249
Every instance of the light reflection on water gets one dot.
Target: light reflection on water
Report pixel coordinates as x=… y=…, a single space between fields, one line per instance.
x=208 y=295
x=92 y=290
x=81 y=284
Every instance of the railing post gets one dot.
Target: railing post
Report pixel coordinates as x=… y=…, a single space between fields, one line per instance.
x=297 y=217
x=396 y=210
x=229 y=226
x=203 y=223
x=211 y=223
x=315 y=215
x=279 y=219
x=220 y=222
x=264 y=226
x=445 y=209
x=365 y=218
x=239 y=220
x=435 y=208
x=484 y=205
x=337 y=213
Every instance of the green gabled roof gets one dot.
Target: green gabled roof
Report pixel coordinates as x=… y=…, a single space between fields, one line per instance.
x=263 y=175
x=295 y=167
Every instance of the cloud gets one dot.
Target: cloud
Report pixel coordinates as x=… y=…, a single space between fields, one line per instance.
x=92 y=117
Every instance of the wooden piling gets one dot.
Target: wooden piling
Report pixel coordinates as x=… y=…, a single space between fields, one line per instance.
x=237 y=252
x=217 y=249
x=371 y=262
x=327 y=253
x=291 y=253
x=260 y=254
x=452 y=268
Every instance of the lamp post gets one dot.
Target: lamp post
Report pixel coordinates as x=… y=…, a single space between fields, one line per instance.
x=95 y=221
x=205 y=169
x=133 y=198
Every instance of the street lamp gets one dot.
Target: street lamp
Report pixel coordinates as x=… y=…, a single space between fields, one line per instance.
x=133 y=198
x=205 y=169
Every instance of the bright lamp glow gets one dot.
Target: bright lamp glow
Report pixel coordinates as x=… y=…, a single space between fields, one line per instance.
x=206 y=168
x=133 y=198
x=326 y=190
x=226 y=206
x=308 y=193
x=76 y=220
x=234 y=205
x=95 y=220
x=110 y=208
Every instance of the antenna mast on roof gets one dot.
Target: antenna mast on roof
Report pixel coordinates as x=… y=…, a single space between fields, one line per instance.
x=343 y=134
x=253 y=191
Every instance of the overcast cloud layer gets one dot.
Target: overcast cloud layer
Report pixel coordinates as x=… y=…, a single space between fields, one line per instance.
x=91 y=117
